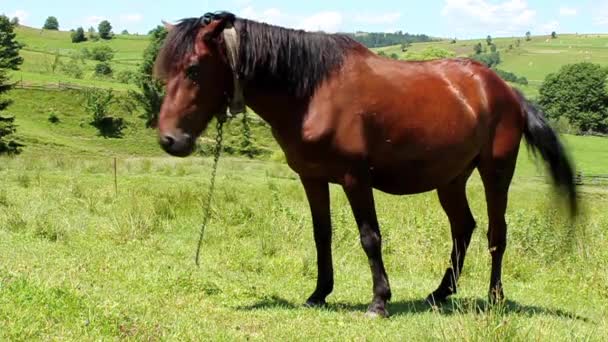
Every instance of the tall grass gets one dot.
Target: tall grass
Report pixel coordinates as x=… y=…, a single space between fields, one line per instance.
x=78 y=261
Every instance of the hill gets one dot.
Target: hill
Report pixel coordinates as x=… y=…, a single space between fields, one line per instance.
x=533 y=59
x=43 y=48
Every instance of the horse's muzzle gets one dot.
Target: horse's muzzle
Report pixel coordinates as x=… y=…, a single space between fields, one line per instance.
x=178 y=145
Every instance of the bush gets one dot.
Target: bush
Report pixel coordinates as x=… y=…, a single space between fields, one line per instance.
x=489 y=59
x=102 y=53
x=103 y=69
x=78 y=35
x=54 y=118
x=73 y=68
x=511 y=77
x=151 y=91
x=97 y=104
x=126 y=77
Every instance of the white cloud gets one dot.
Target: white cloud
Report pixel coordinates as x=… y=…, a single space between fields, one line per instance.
x=601 y=17
x=383 y=18
x=505 y=18
x=94 y=20
x=131 y=18
x=328 y=21
x=549 y=27
x=21 y=14
x=568 y=11
x=323 y=21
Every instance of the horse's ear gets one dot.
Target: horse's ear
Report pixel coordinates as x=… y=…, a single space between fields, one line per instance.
x=218 y=24
x=168 y=26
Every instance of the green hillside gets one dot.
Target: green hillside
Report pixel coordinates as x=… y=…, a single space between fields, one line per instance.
x=533 y=59
x=43 y=46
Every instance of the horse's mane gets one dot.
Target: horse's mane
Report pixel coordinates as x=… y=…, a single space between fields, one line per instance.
x=271 y=56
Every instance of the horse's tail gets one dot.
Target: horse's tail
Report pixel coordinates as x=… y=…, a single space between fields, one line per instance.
x=543 y=139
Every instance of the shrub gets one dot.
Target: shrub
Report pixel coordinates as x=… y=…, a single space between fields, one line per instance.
x=103 y=69
x=102 y=53
x=126 y=76
x=78 y=35
x=54 y=118
x=97 y=104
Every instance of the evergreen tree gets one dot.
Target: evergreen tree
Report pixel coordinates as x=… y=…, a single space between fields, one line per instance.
x=9 y=60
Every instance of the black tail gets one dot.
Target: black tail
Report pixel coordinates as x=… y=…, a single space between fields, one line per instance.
x=542 y=139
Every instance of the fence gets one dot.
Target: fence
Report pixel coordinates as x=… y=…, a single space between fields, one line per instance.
x=51 y=86
x=582 y=179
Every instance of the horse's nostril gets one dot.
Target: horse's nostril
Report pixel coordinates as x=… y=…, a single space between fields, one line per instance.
x=167 y=140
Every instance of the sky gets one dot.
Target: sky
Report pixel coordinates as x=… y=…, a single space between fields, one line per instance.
x=439 y=18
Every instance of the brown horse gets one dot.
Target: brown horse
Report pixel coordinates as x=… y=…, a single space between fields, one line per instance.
x=345 y=115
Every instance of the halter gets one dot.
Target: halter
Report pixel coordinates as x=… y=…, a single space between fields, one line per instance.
x=236 y=104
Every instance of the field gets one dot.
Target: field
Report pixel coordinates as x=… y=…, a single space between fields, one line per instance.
x=79 y=261
x=85 y=258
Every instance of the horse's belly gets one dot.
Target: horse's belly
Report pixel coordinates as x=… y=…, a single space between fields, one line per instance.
x=413 y=177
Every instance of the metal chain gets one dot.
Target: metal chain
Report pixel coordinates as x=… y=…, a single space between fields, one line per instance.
x=207 y=206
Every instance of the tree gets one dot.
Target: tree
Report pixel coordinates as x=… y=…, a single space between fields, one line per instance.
x=528 y=36
x=578 y=93
x=15 y=21
x=9 y=60
x=105 y=30
x=9 y=47
x=489 y=40
x=125 y=32
x=493 y=48
x=51 y=23
x=553 y=35
x=478 y=49
x=78 y=35
x=151 y=91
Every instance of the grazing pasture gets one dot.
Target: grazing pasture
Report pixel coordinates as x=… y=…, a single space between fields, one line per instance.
x=79 y=261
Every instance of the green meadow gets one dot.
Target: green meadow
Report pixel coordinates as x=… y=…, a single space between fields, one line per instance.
x=85 y=255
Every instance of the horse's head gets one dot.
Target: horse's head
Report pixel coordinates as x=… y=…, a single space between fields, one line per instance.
x=196 y=67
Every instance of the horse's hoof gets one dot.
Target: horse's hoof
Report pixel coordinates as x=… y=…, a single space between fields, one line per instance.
x=434 y=300
x=375 y=313
x=311 y=303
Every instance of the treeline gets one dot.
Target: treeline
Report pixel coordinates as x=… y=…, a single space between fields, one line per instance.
x=375 y=40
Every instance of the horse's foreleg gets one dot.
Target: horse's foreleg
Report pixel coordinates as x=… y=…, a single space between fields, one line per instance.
x=361 y=199
x=317 y=193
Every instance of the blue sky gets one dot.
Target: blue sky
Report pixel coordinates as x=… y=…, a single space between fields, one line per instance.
x=445 y=18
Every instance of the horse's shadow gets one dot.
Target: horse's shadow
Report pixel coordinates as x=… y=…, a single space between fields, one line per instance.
x=453 y=306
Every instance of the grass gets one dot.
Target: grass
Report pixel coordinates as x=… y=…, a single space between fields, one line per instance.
x=78 y=261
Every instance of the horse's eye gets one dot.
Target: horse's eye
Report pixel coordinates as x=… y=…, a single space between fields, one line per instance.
x=192 y=72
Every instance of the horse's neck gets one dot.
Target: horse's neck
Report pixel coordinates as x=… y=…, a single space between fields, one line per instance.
x=275 y=106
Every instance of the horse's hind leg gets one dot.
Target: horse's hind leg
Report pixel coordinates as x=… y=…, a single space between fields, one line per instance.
x=453 y=199
x=496 y=174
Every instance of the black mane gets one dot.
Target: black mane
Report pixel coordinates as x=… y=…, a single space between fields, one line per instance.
x=270 y=56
